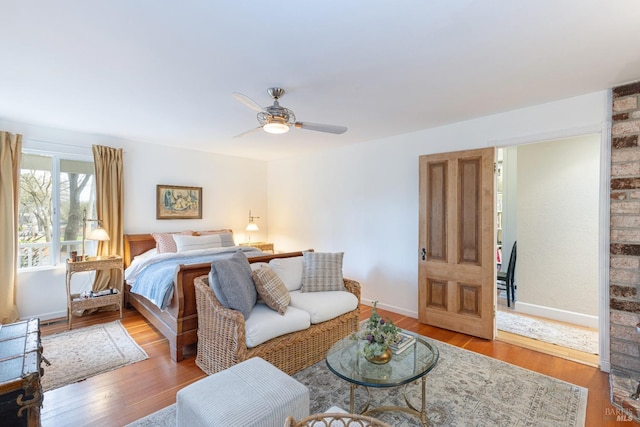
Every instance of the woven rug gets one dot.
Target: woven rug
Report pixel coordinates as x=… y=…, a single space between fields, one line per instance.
x=82 y=353
x=551 y=332
x=464 y=388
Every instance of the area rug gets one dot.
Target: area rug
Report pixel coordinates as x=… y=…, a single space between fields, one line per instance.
x=464 y=388
x=550 y=332
x=82 y=353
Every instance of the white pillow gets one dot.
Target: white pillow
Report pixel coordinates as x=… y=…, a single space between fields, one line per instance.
x=226 y=237
x=146 y=255
x=143 y=257
x=289 y=270
x=190 y=243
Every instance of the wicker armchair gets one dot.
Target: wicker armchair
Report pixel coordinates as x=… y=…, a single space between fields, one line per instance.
x=335 y=420
x=222 y=340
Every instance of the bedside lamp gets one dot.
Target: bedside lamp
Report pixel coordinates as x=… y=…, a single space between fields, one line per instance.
x=98 y=233
x=252 y=226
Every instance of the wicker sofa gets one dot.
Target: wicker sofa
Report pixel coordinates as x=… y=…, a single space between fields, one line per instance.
x=221 y=335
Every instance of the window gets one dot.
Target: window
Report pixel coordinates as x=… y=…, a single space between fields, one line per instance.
x=54 y=192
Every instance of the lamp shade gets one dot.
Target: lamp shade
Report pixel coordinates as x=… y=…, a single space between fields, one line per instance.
x=252 y=226
x=98 y=233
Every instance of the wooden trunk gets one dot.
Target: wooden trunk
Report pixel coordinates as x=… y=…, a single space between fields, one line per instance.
x=20 y=372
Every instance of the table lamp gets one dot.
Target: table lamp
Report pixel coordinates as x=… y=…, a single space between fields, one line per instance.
x=97 y=233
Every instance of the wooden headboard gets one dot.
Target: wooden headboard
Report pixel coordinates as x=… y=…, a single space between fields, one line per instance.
x=136 y=244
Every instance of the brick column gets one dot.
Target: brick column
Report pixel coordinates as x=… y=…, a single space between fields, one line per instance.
x=624 y=274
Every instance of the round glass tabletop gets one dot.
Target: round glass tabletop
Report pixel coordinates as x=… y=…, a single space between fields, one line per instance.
x=345 y=359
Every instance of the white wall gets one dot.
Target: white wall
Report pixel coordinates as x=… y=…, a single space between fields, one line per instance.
x=557 y=235
x=363 y=199
x=230 y=186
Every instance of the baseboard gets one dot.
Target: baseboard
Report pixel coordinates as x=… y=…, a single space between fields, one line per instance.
x=557 y=314
x=56 y=315
x=393 y=308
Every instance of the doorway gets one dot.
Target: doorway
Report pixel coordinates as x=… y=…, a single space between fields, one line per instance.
x=550 y=203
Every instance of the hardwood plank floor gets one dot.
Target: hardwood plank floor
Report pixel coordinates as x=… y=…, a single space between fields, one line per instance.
x=119 y=397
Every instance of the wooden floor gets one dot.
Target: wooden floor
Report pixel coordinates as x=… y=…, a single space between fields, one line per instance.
x=119 y=397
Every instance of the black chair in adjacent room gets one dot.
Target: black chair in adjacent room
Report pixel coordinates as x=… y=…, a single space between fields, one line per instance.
x=506 y=280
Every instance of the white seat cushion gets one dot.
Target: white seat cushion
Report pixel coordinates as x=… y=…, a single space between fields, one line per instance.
x=323 y=306
x=264 y=323
x=336 y=410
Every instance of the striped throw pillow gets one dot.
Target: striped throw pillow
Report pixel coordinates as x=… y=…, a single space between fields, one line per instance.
x=322 y=272
x=271 y=289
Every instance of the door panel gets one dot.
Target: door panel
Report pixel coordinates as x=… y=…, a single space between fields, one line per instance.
x=469 y=214
x=437 y=216
x=456 y=270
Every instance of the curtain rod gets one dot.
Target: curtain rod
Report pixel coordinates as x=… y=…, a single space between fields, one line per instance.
x=64 y=144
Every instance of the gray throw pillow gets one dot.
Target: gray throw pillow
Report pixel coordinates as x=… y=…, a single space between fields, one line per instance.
x=322 y=272
x=214 y=283
x=233 y=276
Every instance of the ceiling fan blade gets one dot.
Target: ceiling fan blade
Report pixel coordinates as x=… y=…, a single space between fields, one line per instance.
x=250 y=131
x=321 y=128
x=247 y=101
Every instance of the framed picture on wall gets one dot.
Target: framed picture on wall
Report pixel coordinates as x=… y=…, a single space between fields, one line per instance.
x=177 y=202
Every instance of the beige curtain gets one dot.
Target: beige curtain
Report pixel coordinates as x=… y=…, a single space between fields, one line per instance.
x=109 y=209
x=10 y=154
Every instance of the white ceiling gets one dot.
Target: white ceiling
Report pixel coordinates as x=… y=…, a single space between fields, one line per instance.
x=163 y=71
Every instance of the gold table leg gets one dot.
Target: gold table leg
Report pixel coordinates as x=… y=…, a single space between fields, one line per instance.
x=409 y=409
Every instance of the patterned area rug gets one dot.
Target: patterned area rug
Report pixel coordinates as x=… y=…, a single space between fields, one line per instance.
x=464 y=388
x=165 y=417
x=551 y=332
x=82 y=353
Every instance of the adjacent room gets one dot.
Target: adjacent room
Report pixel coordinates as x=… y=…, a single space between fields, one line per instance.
x=203 y=204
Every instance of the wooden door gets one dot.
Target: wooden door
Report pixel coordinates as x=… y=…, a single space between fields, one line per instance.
x=457 y=263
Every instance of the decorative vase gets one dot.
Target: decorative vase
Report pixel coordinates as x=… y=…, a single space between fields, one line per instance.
x=381 y=359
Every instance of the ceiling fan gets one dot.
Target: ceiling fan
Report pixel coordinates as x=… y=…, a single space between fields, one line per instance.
x=277 y=119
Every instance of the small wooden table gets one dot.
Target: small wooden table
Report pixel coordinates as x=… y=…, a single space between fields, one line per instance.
x=75 y=301
x=20 y=372
x=263 y=246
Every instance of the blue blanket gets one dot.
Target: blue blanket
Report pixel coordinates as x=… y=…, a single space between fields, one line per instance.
x=155 y=282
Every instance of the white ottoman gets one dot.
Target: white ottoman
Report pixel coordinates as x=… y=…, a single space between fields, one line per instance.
x=251 y=393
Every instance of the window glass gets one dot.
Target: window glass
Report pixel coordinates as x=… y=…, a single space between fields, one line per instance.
x=35 y=213
x=54 y=192
x=77 y=193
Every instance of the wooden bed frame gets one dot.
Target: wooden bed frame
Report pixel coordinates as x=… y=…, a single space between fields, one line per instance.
x=179 y=321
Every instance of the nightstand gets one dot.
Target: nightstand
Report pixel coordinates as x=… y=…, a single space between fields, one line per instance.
x=263 y=246
x=75 y=301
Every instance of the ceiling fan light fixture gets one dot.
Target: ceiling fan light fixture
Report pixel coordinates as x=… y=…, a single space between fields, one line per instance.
x=276 y=119
x=275 y=128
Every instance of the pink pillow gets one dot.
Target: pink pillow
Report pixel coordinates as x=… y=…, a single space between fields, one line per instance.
x=165 y=242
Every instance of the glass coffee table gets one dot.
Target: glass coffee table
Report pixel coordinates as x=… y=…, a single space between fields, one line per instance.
x=412 y=364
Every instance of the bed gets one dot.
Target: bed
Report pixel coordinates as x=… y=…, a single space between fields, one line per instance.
x=178 y=321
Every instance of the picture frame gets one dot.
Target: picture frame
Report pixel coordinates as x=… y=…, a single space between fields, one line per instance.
x=178 y=202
